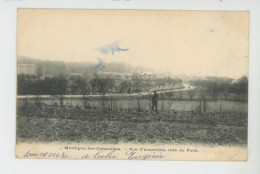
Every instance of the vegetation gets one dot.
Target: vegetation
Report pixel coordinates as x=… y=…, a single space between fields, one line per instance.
x=117 y=124
x=214 y=87
x=212 y=111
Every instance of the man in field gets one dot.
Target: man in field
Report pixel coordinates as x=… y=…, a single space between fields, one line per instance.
x=154 y=101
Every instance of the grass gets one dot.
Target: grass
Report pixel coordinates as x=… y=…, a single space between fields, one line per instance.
x=213 y=106
x=51 y=123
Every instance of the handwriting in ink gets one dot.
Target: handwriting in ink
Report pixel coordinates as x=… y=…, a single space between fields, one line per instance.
x=105 y=155
x=131 y=155
x=46 y=155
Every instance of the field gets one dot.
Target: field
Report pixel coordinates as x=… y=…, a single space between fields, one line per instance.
x=131 y=102
x=121 y=120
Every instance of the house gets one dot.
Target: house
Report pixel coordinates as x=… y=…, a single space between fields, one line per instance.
x=28 y=69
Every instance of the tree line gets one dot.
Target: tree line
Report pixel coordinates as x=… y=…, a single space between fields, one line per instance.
x=83 y=85
x=214 y=87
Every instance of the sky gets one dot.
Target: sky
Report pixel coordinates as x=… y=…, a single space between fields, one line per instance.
x=202 y=43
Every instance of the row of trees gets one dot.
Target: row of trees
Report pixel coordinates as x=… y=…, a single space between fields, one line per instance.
x=31 y=85
x=213 y=87
x=80 y=85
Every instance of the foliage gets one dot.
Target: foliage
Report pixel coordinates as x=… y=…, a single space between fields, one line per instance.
x=102 y=85
x=124 y=86
x=216 y=86
x=31 y=85
x=240 y=86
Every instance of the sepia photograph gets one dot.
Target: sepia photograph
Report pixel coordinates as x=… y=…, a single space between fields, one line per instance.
x=132 y=84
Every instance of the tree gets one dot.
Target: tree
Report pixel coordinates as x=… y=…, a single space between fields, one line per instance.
x=137 y=84
x=94 y=84
x=240 y=86
x=124 y=86
x=26 y=84
x=191 y=94
x=74 y=84
x=105 y=85
x=213 y=89
x=159 y=83
x=111 y=83
x=84 y=89
x=39 y=71
x=225 y=88
x=60 y=87
x=147 y=85
x=169 y=81
x=21 y=84
x=83 y=86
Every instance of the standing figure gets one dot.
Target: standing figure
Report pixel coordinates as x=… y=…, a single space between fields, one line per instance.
x=129 y=90
x=154 y=101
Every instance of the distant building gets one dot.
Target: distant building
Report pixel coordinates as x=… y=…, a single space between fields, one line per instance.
x=162 y=76
x=128 y=76
x=28 y=69
x=115 y=75
x=144 y=75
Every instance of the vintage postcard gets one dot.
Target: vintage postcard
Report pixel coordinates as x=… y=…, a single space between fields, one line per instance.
x=132 y=84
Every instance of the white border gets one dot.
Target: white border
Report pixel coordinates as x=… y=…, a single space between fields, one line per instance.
x=8 y=162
